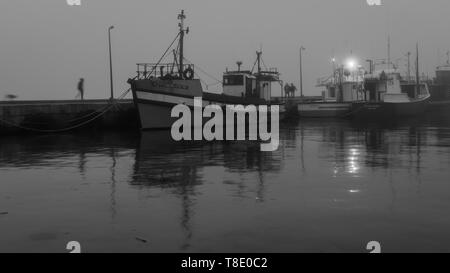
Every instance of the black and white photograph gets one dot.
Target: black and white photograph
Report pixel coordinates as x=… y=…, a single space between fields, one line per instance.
x=229 y=129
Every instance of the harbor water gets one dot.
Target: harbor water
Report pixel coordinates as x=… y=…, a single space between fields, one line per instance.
x=332 y=186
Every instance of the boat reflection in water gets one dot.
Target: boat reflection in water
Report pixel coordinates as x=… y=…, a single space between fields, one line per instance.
x=182 y=168
x=163 y=162
x=323 y=171
x=332 y=186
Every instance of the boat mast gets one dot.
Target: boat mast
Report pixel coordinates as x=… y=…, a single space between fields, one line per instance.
x=181 y=17
x=258 y=56
x=258 y=77
x=417 y=72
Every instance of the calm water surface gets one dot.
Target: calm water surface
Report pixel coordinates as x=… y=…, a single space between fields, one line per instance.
x=332 y=186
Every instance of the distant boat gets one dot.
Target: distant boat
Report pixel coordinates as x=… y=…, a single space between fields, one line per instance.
x=341 y=89
x=389 y=98
x=440 y=87
x=159 y=87
x=11 y=97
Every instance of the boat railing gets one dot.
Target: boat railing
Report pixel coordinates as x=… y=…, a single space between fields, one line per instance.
x=325 y=81
x=167 y=70
x=271 y=75
x=273 y=70
x=332 y=81
x=412 y=80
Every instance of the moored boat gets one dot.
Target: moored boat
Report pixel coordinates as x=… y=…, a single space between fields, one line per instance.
x=159 y=87
x=341 y=89
x=440 y=86
x=389 y=98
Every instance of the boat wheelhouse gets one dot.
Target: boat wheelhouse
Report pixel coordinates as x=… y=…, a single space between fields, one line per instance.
x=251 y=84
x=440 y=89
x=342 y=88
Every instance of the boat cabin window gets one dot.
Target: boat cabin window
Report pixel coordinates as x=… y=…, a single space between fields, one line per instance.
x=233 y=80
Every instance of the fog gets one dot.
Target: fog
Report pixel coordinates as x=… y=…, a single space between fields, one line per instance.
x=46 y=45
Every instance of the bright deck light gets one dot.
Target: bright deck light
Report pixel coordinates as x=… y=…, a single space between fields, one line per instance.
x=351 y=64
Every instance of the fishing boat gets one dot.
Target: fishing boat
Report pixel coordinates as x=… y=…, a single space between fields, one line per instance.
x=342 y=88
x=388 y=96
x=440 y=87
x=159 y=87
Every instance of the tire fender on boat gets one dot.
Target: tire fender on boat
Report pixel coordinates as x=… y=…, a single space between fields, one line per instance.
x=188 y=73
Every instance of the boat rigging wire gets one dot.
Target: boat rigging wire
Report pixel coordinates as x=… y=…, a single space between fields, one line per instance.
x=262 y=60
x=162 y=57
x=217 y=81
x=204 y=72
x=253 y=68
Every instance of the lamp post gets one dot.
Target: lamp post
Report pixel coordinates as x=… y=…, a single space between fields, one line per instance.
x=301 y=72
x=409 y=65
x=370 y=65
x=110 y=63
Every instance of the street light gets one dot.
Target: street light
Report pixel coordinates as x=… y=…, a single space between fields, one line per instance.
x=110 y=63
x=301 y=72
x=351 y=64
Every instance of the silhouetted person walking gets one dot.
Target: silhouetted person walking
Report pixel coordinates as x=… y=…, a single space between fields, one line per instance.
x=81 y=88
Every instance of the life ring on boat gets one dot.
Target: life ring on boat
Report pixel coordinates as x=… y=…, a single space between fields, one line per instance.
x=188 y=74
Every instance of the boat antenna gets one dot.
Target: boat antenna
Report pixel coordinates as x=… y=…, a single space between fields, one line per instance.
x=183 y=31
x=258 y=59
x=258 y=77
x=389 y=51
x=409 y=65
x=239 y=64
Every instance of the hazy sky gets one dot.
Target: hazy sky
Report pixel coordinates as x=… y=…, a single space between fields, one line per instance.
x=46 y=45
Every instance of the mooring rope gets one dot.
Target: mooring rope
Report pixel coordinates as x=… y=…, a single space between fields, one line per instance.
x=100 y=114
x=74 y=119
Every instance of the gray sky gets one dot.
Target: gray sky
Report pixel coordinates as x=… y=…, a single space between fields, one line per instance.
x=46 y=45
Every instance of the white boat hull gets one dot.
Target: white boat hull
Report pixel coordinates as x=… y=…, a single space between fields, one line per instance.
x=155 y=107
